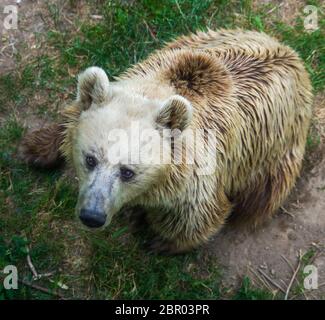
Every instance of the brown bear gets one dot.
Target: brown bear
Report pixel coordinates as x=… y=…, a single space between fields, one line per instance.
x=250 y=91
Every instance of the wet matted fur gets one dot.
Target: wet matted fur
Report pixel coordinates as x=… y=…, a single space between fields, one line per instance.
x=255 y=93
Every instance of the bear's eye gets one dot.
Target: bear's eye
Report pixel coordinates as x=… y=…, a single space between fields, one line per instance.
x=91 y=162
x=126 y=174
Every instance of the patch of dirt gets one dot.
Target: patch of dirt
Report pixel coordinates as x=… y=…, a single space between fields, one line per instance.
x=22 y=39
x=299 y=227
x=36 y=18
x=27 y=43
x=282 y=10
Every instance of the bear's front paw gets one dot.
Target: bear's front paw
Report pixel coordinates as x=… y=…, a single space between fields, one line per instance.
x=158 y=245
x=136 y=217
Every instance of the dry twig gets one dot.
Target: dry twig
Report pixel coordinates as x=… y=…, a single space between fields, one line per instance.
x=293 y=277
x=42 y=289
x=271 y=280
x=266 y=285
x=30 y=264
x=286 y=211
x=288 y=262
x=150 y=31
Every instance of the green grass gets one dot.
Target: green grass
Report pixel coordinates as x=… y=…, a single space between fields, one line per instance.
x=248 y=292
x=37 y=207
x=306 y=259
x=133 y=274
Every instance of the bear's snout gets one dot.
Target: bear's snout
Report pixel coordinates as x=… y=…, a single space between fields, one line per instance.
x=92 y=218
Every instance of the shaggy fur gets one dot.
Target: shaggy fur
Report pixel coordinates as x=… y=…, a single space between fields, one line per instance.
x=41 y=148
x=256 y=94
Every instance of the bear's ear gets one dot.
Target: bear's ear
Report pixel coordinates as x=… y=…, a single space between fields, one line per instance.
x=176 y=113
x=93 y=87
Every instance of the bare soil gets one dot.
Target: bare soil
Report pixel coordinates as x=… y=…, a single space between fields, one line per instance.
x=298 y=228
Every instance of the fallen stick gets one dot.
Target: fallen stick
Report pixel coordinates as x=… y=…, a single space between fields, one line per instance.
x=293 y=278
x=42 y=289
x=30 y=264
x=288 y=262
x=150 y=31
x=36 y=275
x=287 y=212
x=271 y=280
x=266 y=284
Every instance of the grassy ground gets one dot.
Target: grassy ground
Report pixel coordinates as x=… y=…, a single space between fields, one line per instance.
x=37 y=208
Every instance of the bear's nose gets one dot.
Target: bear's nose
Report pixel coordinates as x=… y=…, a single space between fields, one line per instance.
x=91 y=218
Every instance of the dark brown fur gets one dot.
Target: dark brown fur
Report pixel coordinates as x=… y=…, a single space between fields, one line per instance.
x=40 y=148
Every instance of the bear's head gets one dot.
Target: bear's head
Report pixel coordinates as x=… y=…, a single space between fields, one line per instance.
x=119 y=143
